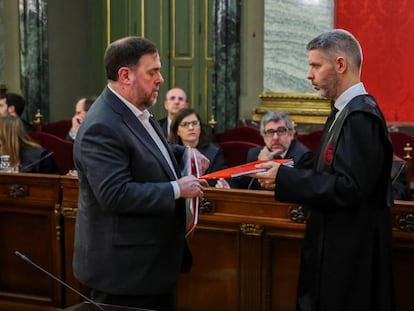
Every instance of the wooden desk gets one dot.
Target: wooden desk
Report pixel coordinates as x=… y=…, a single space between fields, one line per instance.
x=245 y=254
x=246 y=251
x=30 y=223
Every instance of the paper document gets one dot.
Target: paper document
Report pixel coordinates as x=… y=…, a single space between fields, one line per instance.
x=191 y=168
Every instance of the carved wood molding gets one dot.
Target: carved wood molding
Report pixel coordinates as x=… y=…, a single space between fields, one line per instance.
x=406 y=222
x=69 y=211
x=58 y=227
x=18 y=191
x=252 y=229
x=297 y=214
x=301 y=107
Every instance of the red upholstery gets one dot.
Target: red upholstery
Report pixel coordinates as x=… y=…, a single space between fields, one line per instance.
x=242 y=133
x=59 y=128
x=399 y=142
x=311 y=140
x=235 y=152
x=62 y=149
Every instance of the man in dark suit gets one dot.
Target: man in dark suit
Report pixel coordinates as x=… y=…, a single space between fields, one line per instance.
x=13 y=105
x=130 y=242
x=278 y=133
x=346 y=257
x=176 y=99
x=81 y=109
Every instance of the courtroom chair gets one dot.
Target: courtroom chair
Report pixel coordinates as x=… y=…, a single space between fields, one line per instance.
x=235 y=152
x=402 y=144
x=241 y=133
x=61 y=148
x=59 y=128
x=311 y=140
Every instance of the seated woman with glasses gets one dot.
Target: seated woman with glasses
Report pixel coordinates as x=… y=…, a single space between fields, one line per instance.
x=278 y=134
x=25 y=155
x=186 y=130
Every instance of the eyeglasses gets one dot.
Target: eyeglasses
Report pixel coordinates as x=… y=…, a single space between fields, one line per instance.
x=194 y=123
x=281 y=131
x=178 y=98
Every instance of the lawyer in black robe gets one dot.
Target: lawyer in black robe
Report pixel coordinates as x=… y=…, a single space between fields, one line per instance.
x=346 y=256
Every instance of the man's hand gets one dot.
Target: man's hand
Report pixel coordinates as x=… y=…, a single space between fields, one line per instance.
x=191 y=187
x=266 y=154
x=267 y=178
x=76 y=122
x=202 y=162
x=222 y=184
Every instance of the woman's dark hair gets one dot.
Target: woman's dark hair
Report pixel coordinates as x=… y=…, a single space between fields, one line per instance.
x=173 y=138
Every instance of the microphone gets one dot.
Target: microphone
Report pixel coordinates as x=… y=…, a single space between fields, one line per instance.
x=21 y=256
x=251 y=183
x=35 y=162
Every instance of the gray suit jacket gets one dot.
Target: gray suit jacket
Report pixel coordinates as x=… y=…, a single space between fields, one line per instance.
x=130 y=231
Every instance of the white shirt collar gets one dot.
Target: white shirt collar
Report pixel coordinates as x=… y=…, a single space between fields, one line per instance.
x=146 y=114
x=349 y=94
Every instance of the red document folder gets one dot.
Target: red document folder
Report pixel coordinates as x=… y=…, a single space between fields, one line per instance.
x=244 y=169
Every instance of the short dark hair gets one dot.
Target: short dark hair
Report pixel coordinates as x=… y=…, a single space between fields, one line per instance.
x=16 y=100
x=88 y=102
x=276 y=116
x=338 y=40
x=126 y=52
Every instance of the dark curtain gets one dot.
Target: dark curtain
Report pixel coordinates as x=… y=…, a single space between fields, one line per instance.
x=34 y=66
x=226 y=79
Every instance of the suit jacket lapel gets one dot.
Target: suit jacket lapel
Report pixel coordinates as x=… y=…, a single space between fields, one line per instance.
x=158 y=129
x=139 y=131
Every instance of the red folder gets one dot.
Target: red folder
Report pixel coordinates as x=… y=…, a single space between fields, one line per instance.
x=244 y=169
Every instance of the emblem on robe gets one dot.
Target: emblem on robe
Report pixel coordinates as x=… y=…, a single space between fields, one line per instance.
x=327 y=154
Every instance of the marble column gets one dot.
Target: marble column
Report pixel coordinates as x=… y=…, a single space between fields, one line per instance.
x=2 y=40
x=288 y=26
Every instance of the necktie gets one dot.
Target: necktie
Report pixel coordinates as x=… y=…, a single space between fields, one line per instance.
x=331 y=119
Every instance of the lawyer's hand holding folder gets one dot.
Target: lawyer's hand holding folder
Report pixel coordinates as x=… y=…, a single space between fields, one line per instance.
x=267 y=177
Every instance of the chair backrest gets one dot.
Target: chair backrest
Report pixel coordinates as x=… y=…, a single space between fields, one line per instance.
x=59 y=128
x=311 y=140
x=235 y=152
x=61 y=148
x=242 y=133
x=399 y=143
x=402 y=145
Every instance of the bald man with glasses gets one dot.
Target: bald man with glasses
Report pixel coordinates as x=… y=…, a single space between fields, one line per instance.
x=175 y=100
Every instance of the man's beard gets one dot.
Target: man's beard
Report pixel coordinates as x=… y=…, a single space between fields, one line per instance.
x=147 y=102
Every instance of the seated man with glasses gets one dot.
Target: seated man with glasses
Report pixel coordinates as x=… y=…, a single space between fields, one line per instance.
x=278 y=134
x=175 y=100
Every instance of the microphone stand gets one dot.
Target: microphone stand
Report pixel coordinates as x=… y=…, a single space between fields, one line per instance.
x=21 y=256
